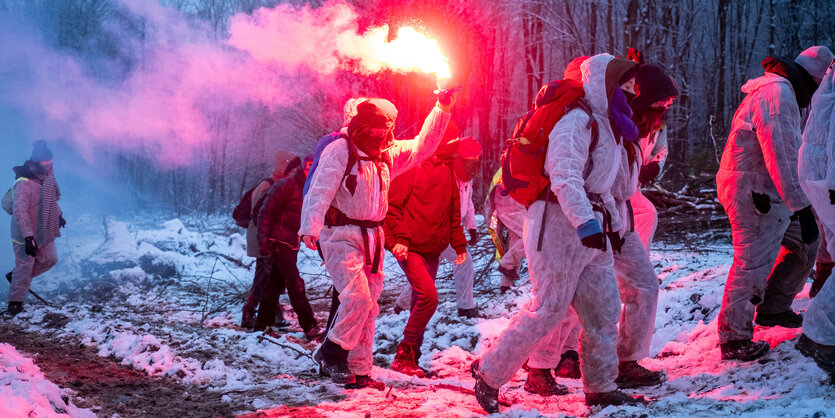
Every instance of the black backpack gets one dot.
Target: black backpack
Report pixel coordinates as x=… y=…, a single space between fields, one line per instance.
x=243 y=214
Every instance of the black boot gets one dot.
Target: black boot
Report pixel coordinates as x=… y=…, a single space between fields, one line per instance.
x=569 y=366
x=365 y=381
x=333 y=362
x=745 y=350
x=541 y=382
x=248 y=322
x=824 y=355
x=787 y=319
x=614 y=397
x=486 y=396
x=468 y=313
x=14 y=309
x=9 y=276
x=633 y=375
x=822 y=272
x=279 y=321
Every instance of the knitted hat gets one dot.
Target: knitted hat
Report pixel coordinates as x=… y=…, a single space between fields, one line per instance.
x=40 y=152
x=815 y=60
x=651 y=85
x=572 y=70
x=469 y=148
x=285 y=161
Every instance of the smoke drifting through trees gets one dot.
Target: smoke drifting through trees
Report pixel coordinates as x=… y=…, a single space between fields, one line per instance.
x=186 y=100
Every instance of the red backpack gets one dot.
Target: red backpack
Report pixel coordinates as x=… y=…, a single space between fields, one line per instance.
x=523 y=159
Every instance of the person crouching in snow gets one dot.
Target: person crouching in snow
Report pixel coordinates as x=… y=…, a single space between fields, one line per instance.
x=818 y=181
x=278 y=238
x=465 y=166
x=36 y=222
x=775 y=235
x=574 y=266
x=344 y=210
x=423 y=219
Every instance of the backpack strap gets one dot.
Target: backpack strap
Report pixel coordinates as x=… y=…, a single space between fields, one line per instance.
x=584 y=105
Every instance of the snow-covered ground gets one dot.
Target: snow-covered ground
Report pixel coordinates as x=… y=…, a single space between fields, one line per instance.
x=164 y=296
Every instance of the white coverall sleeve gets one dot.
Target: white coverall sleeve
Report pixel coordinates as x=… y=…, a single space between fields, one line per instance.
x=779 y=135
x=467 y=208
x=658 y=153
x=568 y=151
x=408 y=154
x=323 y=186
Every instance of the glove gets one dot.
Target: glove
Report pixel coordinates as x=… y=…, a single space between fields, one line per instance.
x=649 y=172
x=832 y=197
x=808 y=227
x=616 y=240
x=473 y=237
x=61 y=221
x=762 y=202
x=591 y=235
x=31 y=247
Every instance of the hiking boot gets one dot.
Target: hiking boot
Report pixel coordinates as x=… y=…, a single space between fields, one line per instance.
x=569 y=365
x=486 y=396
x=313 y=333
x=614 y=397
x=503 y=289
x=13 y=309
x=541 y=382
x=365 y=381
x=9 y=276
x=510 y=275
x=745 y=350
x=404 y=360
x=787 y=319
x=824 y=355
x=248 y=322
x=469 y=313
x=633 y=375
x=397 y=309
x=822 y=272
x=279 y=321
x=333 y=362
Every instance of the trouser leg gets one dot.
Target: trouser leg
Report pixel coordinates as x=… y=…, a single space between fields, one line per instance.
x=757 y=240
x=794 y=264
x=285 y=261
x=420 y=272
x=819 y=319
x=638 y=288
x=269 y=297
x=27 y=268
x=646 y=218
x=464 y=275
x=404 y=299
x=263 y=265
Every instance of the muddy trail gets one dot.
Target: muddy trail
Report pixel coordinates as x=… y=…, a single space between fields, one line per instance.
x=107 y=387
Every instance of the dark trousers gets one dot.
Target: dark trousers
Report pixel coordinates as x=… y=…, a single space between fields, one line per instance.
x=420 y=272
x=263 y=267
x=285 y=274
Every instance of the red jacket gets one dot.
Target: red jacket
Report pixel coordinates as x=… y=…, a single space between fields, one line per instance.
x=424 y=210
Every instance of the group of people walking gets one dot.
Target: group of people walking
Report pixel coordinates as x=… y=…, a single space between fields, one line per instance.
x=585 y=235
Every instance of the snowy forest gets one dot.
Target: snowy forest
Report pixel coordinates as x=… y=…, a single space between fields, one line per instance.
x=162 y=113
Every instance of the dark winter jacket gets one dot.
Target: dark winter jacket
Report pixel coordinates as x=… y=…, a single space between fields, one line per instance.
x=425 y=211
x=280 y=215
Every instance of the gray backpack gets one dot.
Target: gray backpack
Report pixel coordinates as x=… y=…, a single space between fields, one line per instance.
x=8 y=198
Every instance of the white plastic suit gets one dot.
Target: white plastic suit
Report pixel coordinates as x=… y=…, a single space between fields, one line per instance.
x=760 y=160
x=565 y=273
x=343 y=247
x=817 y=177
x=654 y=149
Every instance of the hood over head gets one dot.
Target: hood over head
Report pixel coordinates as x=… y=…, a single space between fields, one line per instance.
x=285 y=162
x=449 y=143
x=618 y=72
x=572 y=70
x=598 y=79
x=467 y=159
x=372 y=128
x=803 y=84
x=815 y=61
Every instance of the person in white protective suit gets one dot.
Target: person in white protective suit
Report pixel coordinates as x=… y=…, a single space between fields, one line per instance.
x=817 y=177
x=465 y=167
x=512 y=215
x=637 y=281
x=574 y=266
x=343 y=211
x=775 y=236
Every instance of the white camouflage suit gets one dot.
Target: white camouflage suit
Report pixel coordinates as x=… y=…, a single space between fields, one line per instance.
x=771 y=263
x=512 y=214
x=817 y=177
x=565 y=273
x=343 y=247
x=463 y=274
